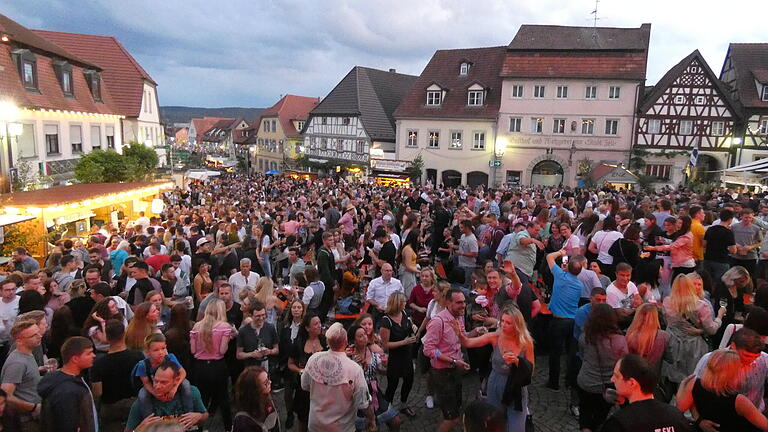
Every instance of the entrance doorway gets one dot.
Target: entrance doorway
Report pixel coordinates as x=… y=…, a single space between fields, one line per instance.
x=547 y=173
x=477 y=178
x=451 y=178
x=432 y=176
x=706 y=168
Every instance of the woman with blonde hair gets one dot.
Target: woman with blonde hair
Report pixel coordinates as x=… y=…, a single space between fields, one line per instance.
x=512 y=346
x=397 y=335
x=715 y=396
x=143 y=323
x=422 y=294
x=645 y=336
x=689 y=320
x=265 y=294
x=209 y=340
x=729 y=295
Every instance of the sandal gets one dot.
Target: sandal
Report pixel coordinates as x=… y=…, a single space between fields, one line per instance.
x=408 y=411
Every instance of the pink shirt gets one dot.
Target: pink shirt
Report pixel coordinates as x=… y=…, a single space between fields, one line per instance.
x=196 y=337
x=441 y=339
x=290 y=227
x=347 y=223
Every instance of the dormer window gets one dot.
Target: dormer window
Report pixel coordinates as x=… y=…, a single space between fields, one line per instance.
x=26 y=62
x=434 y=97
x=765 y=93
x=64 y=74
x=475 y=98
x=93 y=78
x=464 y=69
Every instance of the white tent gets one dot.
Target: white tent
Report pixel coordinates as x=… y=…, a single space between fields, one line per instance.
x=756 y=166
x=202 y=174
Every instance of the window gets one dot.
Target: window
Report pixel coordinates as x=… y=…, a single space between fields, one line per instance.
x=538 y=91
x=614 y=92
x=517 y=91
x=26 y=141
x=562 y=92
x=587 y=126
x=515 y=124
x=765 y=93
x=94 y=84
x=699 y=100
x=611 y=127
x=28 y=74
x=325 y=120
x=679 y=99
x=66 y=82
x=266 y=126
x=300 y=125
x=434 y=139
x=323 y=143
x=26 y=65
x=433 y=98
x=274 y=128
x=64 y=74
x=478 y=141
x=763 y=128
x=475 y=98
x=413 y=138
x=339 y=144
x=718 y=128
x=537 y=125
x=464 y=69
x=654 y=126
x=110 y=137
x=558 y=126
x=456 y=142
x=261 y=164
x=590 y=92
x=51 y=139
x=96 y=137
x=661 y=172
x=361 y=148
x=686 y=127
x=76 y=138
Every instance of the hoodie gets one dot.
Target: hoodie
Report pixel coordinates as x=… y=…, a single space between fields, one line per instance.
x=67 y=404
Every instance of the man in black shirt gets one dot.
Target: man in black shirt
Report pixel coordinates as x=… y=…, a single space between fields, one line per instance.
x=635 y=382
x=111 y=378
x=234 y=317
x=387 y=253
x=140 y=272
x=718 y=243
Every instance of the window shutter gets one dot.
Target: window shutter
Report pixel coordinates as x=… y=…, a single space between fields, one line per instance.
x=95 y=137
x=51 y=129
x=26 y=141
x=75 y=134
x=110 y=131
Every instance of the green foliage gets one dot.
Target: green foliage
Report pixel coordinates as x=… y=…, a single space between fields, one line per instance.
x=416 y=168
x=28 y=176
x=142 y=159
x=645 y=182
x=101 y=166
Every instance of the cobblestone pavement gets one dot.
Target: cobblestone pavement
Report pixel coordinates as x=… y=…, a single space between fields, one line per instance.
x=549 y=408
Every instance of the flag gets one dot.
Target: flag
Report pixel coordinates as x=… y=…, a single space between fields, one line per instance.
x=694 y=156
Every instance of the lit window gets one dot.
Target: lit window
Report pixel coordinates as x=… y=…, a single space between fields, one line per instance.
x=413 y=138
x=517 y=91
x=456 y=142
x=538 y=91
x=611 y=127
x=475 y=98
x=587 y=126
x=686 y=127
x=515 y=124
x=562 y=92
x=434 y=139
x=590 y=92
x=558 y=126
x=614 y=92
x=433 y=98
x=537 y=125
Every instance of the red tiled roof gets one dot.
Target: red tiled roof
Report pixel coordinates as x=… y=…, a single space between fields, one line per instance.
x=66 y=194
x=226 y=125
x=751 y=62
x=608 y=65
x=203 y=125
x=22 y=35
x=443 y=70
x=289 y=108
x=122 y=73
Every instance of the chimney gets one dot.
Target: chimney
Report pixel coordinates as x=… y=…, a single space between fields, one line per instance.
x=393 y=70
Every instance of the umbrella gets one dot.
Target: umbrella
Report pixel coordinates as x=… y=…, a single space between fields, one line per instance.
x=272 y=172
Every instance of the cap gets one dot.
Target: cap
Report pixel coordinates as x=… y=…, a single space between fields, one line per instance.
x=201 y=241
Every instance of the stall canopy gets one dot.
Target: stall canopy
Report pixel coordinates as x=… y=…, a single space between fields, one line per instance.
x=6 y=220
x=760 y=166
x=202 y=174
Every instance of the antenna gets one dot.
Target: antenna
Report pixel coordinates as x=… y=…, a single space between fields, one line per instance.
x=595 y=19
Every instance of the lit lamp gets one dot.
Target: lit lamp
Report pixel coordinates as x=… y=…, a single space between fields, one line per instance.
x=157 y=206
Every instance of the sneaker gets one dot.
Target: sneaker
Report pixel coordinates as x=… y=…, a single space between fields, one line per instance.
x=430 y=402
x=574 y=410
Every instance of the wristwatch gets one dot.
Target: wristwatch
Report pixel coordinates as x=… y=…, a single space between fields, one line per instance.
x=453 y=363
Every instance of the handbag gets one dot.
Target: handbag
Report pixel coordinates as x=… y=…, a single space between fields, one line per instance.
x=609 y=390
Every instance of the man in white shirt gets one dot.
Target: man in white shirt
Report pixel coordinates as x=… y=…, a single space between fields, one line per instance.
x=382 y=287
x=244 y=279
x=141 y=223
x=9 y=310
x=622 y=293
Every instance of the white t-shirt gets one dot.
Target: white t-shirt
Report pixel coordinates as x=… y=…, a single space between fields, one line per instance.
x=604 y=240
x=617 y=299
x=8 y=313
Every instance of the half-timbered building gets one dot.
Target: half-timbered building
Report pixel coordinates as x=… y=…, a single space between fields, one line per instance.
x=689 y=108
x=745 y=73
x=355 y=120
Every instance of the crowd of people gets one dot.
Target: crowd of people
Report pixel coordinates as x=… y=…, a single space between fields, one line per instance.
x=650 y=308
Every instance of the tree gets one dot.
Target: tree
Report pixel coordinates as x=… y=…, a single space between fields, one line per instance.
x=416 y=168
x=101 y=166
x=142 y=159
x=28 y=176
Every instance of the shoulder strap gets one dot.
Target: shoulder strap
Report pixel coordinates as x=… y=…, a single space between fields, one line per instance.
x=148 y=369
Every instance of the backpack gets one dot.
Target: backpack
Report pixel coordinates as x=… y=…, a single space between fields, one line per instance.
x=135 y=379
x=349 y=305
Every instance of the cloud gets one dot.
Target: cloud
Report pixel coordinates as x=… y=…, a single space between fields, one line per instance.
x=248 y=53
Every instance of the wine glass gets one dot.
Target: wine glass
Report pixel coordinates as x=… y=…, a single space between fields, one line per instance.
x=723 y=303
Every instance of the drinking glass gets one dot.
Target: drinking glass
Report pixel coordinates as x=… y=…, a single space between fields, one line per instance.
x=723 y=303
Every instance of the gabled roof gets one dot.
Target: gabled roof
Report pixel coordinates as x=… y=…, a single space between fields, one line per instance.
x=674 y=73
x=49 y=94
x=371 y=94
x=750 y=62
x=578 y=52
x=122 y=74
x=443 y=70
x=566 y=38
x=289 y=108
x=221 y=129
x=25 y=36
x=202 y=125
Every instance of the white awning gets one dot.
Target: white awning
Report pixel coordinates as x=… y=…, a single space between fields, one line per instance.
x=6 y=220
x=202 y=175
x=757 y=166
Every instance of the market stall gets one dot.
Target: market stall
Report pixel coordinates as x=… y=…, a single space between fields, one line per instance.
x=390 y=172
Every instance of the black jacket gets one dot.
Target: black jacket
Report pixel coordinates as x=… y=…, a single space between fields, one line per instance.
x=67 y=404
x=519 y=377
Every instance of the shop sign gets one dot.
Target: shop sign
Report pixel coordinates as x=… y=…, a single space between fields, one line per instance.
x=335 y=154
x=389 y=165
x=544 y=141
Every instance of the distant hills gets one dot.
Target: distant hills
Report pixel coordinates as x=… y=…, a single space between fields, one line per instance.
x=183 y=114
